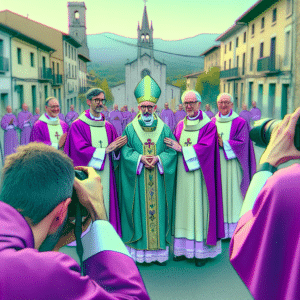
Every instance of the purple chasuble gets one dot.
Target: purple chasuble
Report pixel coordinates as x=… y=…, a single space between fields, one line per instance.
x=10 y=134
x=209 y=113
x=71 y=116
x=245 y=114
x=34 y=119
x=106 y=115
x=255 y=114
x=40 y=132
x=207 y=150
x=61 y=117
x=24 y=123
x=168 y=117
x=116 y=118
x=265 y=248
x=179 y=115
x=126 y=119
x=27 y=273
x=242 y=147
x=79 y=148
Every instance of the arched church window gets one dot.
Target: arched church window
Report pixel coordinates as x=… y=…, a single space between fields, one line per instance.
x=145 y=72
x=147 y=37
x=76 y=15
x=143 y=37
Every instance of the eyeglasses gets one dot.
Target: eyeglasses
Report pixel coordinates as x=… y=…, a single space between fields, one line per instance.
x=149 y=107
x=99 y=100
x=54 y=106
x=190 y=103
x=224 y=102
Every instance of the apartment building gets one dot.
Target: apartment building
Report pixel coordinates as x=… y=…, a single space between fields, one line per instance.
x=256 y=58
x=191 y=80
x=211 y=57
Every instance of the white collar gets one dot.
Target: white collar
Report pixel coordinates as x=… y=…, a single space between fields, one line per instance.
x=193 y=118
x=225 y=116
x=51 y=119
x=94 y=118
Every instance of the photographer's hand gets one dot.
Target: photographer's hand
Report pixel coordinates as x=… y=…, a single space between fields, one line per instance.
x=281 y=147
x=90 y=193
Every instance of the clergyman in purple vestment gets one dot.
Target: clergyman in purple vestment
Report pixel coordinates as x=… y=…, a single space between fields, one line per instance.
x=199 y=223
x=265 y=249
x=71 y=116
x=245 y=114
x=126 y=117
x=24 y=123
x=255 y=112
x=90 y=142
x=32 y=215
x=9 y=124
x=133 y=113
x=35 y=117
x=209 y=113
x=105 y=112
x=49 y=129
x=116 y=118
x=237 y=160
x=61 y=117
x=179 y=115
x=168 y=117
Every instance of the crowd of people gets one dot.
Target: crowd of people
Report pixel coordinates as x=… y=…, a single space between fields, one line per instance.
x=170 y=182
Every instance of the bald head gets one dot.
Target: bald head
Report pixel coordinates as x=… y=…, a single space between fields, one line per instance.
x=244 y=106
x=166 y=105
x=8 y=109
x=180 y=107
x=25 y=106
x=72 y=107
x=37 y=111
x=253 y=104
x=116 y=106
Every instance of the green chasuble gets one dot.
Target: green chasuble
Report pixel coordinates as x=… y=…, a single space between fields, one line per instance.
x=146 y=200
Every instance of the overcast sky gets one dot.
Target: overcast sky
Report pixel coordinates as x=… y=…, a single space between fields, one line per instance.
x=172 y=19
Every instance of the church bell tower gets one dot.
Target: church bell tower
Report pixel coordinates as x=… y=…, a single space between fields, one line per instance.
x=145 y=36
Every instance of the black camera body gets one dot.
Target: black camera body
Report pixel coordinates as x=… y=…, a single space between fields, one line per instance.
x=81 y=175
x=262 y=130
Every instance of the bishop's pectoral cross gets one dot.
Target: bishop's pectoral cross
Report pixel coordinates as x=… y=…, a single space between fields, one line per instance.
x=100 y=142
x=148 y=143
x=57 y=135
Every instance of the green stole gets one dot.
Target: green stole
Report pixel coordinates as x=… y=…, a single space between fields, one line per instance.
x=149 y=136
x=54 y=128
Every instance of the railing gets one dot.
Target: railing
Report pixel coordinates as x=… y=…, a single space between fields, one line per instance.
x=234 y=72
x=4 y=64
x=45 y=74
x=56 y=79
x=269 y=64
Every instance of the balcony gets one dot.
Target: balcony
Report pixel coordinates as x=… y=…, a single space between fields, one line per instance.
x=45 y=74
x=230 y=74
x=56 y=79
x=4 y=64
x=269 y=65
x=83 y=89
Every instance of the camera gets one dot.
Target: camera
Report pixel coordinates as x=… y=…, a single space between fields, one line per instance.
x=262 y=130
x=81 y=175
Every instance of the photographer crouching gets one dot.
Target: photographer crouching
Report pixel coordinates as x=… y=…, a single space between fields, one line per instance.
x=36 y=191
x=265 y=247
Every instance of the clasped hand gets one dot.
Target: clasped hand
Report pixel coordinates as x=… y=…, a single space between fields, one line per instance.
x=149 y=161
x=118 y=143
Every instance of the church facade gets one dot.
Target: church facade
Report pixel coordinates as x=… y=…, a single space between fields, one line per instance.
x=145 y=64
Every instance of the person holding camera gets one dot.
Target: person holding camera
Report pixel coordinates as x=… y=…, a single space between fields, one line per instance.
x=237 y=156
x=37 y=184
x=265 y=248
x=91 y=141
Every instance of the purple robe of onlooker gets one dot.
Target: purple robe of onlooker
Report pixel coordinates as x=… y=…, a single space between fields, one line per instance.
x=61 y=117
x=179 y=115
x=24 y=118
x=10 y=133
x=245 y=114
x=106 y=115
x=133 y=114
x=255 y=114
x=168 y=117
x=27 y=273
x=71 y=116
x=209 y=113
x=116 y=118
x=265 y=248
x=242 y=147
x=34 y=119
x=126 y=118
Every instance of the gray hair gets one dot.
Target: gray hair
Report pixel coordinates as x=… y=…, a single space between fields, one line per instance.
x=225 y=94
x=91 y=93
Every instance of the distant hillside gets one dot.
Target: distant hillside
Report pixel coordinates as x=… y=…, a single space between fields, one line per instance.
x=109 y=53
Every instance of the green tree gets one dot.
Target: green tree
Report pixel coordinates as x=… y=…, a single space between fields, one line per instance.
x=108 y=94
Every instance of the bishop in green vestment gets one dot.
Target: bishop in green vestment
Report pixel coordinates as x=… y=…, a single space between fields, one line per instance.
x=147 y=180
